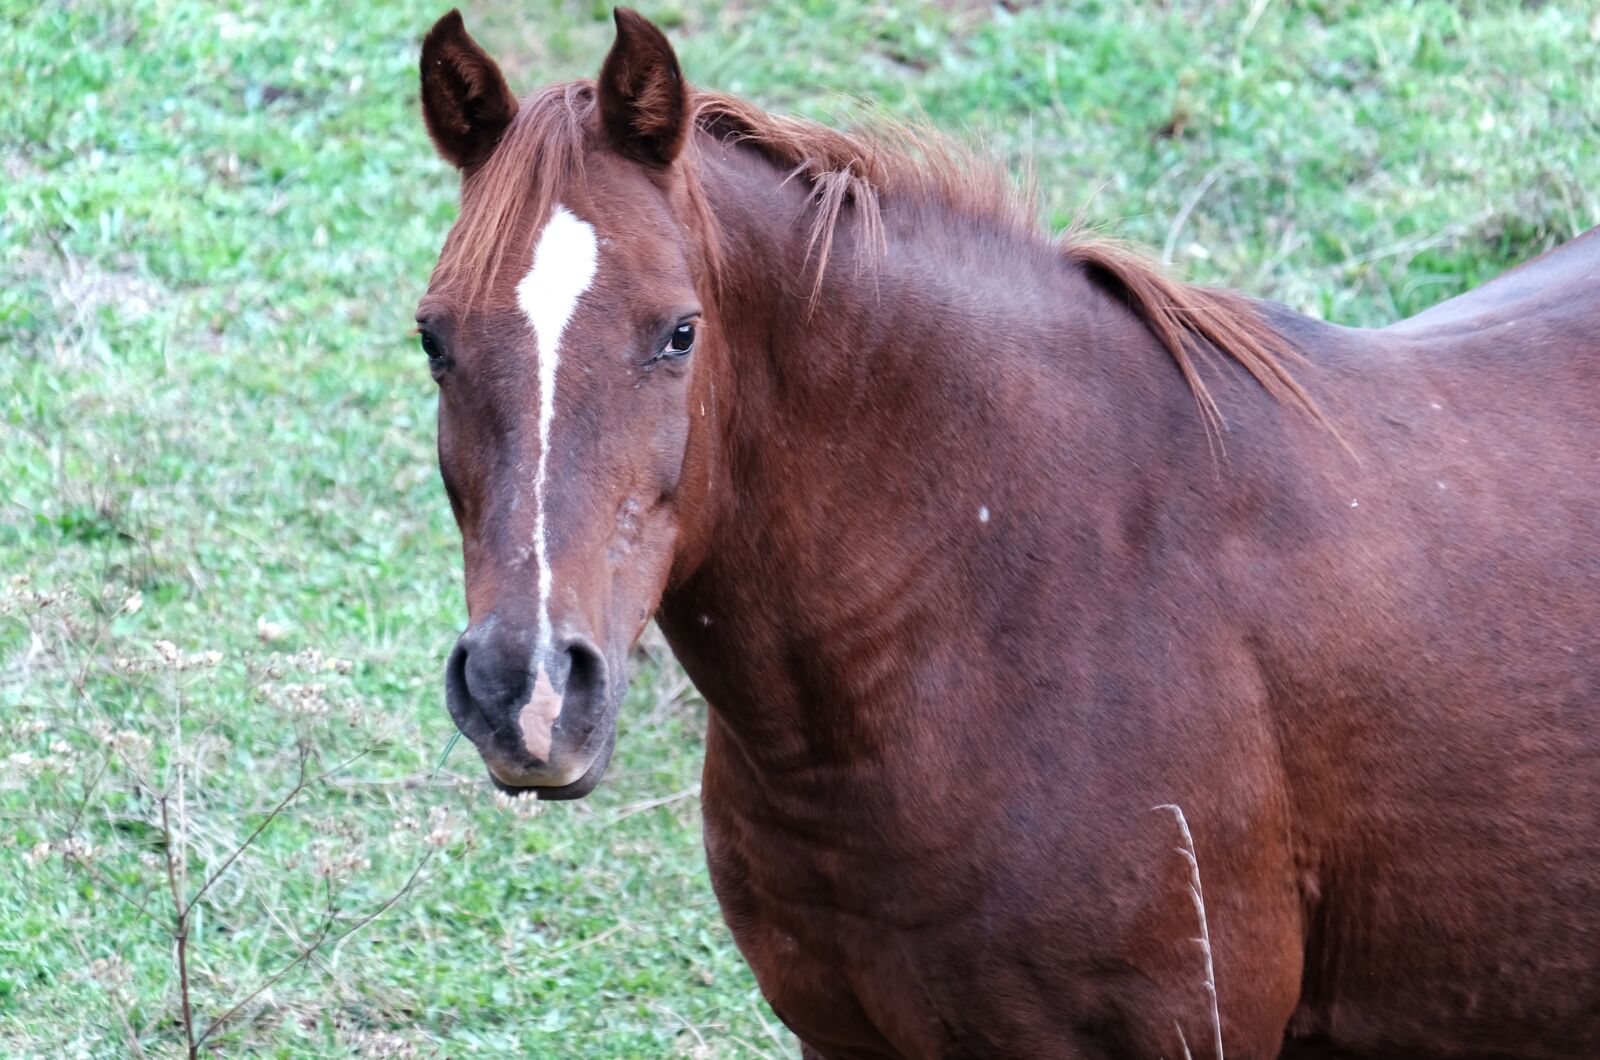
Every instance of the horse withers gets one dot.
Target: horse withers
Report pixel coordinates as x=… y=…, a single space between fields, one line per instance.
x=1052 y=614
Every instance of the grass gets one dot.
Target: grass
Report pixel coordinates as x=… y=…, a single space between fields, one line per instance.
x=216 y=221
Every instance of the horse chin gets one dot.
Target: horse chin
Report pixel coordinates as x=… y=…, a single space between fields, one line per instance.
x=577 y=789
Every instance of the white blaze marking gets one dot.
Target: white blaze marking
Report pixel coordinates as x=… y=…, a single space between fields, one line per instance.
x=565 y=259
x=983 y=515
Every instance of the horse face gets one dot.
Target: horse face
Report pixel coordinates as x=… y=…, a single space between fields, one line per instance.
x=574 y=408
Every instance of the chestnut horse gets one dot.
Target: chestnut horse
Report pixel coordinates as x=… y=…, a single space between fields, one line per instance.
x=982 y=547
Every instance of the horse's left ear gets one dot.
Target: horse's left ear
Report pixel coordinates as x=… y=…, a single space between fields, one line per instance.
x=644 y=103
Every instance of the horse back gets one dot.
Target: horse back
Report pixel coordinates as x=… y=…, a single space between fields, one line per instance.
x=1560 y=289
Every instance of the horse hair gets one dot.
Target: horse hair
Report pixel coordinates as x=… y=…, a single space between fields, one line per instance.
x=543 y=149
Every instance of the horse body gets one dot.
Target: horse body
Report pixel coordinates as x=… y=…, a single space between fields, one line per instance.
x=948 y=690
x=973 y=592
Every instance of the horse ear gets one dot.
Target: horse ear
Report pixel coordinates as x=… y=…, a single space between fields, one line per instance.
x=644 y=103
x=465 y=101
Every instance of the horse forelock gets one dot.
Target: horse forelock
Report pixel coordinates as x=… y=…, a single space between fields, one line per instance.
x=539 y=154
x=850 y=174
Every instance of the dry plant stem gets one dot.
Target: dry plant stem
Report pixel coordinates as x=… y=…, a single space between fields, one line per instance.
x=299 y=958
x=171 y=799
x=1197 y=893
x=777 y=1039
x=99 y=877
x=118 y=1006
x=88 y=793
x=182 y=908
x=272 y=814
x=180 y=931
x=82 y=677
x=691 y=792
x=111 y=992
x=691 y=1028
x=324 y=932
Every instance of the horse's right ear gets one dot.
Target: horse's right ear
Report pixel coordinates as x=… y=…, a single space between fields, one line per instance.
x=465 y=101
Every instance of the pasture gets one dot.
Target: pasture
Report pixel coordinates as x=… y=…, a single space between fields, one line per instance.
x=230 y=577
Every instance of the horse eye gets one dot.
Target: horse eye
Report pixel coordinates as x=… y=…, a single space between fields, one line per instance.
x=430 y=346
x=682 y=340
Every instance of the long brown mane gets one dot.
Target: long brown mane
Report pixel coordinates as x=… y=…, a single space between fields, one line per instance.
x=543 y=148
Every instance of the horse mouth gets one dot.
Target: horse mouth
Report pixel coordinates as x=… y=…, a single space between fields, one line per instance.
x=585 y=782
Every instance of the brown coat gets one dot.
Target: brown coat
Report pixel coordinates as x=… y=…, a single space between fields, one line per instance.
x=1005 y=565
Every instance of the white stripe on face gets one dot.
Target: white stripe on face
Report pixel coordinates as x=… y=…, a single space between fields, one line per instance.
x=566 y=257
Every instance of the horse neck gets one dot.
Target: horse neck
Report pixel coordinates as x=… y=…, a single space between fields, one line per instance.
x=883 y=437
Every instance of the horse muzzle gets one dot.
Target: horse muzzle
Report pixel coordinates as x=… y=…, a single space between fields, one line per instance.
x=542 y=720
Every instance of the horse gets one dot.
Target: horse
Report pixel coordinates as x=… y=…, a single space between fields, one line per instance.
x=1097 y=665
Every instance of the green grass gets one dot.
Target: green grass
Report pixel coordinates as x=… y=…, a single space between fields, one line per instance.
x=215 y=224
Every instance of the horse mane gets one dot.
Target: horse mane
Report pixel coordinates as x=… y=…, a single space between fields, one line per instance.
x=543 y=149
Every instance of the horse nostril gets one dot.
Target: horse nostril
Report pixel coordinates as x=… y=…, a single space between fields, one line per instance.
x=586 y=677
x=587 y=668
x=455 y=671
x=458 y=696
x=488 y=671
x=478 y=676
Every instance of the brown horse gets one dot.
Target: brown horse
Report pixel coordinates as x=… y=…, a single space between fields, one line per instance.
x=983 y=547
